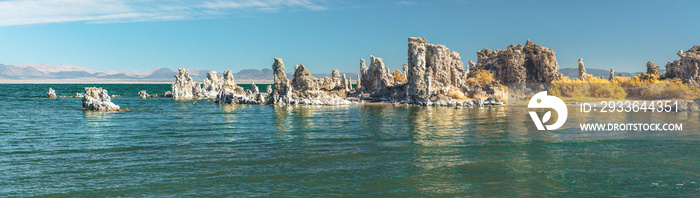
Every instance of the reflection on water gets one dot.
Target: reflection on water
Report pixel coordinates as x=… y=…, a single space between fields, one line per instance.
x=165 y=148
x=521 y=128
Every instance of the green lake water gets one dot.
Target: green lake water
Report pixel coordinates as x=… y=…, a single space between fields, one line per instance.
x=174 y=148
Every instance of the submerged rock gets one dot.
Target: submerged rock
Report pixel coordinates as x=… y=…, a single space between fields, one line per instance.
x=97 y=99
x=50 y=93
x=144 y=94
x=687 y=68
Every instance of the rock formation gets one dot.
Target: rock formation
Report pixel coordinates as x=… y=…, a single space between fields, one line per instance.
x=254 y=88
x=228 y=96
x=581 y=70
x=432 y=68
x=652 y=68
x=268 y=89
x=376 y=79
x=405 y=69
x=283 y=88
x=230 y=93
x=303 y=83
x=97 y=99
x=517 y=64
x=612 y=74
x=212 y=85
x=144 y=94
x=50 y=93
x=229 y=83
x=687 y=68
x=472 y=66
x=184 y=86
x=304 y=88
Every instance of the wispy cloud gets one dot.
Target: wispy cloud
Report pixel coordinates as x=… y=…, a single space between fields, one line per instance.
x=21 y=12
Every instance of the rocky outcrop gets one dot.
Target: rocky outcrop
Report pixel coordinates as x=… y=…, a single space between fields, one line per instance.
x=230 y=93
x=50 y=93
x=612 y=74
x=229 y=83
x=254 y=88
x=432 y=69
x=517 y=64
x=405 y=69
x=212 y=85
x=376 y=79
x=687 y=68
x=652 y=68
x=417 y=88
x=472 y=66
x=306 y=89
x=97 y=99
x=228 y=96
x=184 y=86
x=581 y=70
x=283 y=88
x=144 y=94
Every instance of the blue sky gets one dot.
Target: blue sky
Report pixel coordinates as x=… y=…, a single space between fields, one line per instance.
x=330 y=34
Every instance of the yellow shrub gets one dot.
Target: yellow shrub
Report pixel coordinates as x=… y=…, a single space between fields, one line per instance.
x=482 y=77
x=456 y=94
x=399 y=77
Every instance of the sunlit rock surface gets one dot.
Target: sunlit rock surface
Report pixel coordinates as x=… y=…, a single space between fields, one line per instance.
x=144 y=94
x=184 y=86
x=50 y=93
x=517 y=64
x=283 y=88
x=687 y=68
x=97 y=99
x=376 y=79
x=304 y=88
x=212 y=85
x=581 y=70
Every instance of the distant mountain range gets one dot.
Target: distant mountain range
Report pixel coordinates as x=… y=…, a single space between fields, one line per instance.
x=572 y=73
x=49 y=72
x=62 y=72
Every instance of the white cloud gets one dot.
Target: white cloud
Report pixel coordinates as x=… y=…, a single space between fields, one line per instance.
x=20 y=12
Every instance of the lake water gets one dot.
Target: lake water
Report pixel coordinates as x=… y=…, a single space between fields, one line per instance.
x=168 y=148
